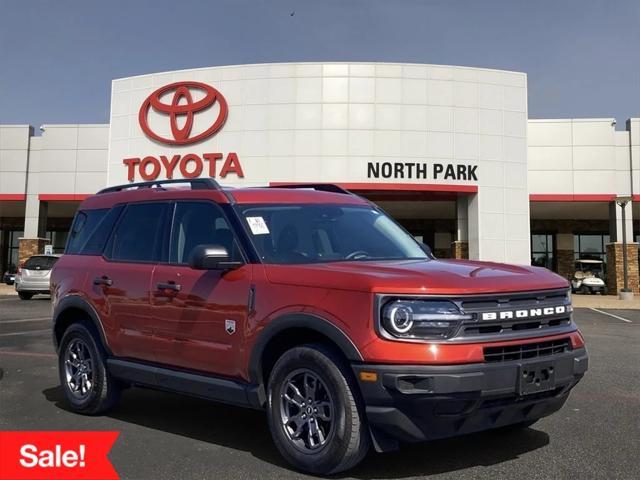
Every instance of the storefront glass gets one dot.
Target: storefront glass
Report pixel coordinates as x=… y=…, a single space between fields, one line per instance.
x=542 y=251
x=58 y=240
x=12 y=251
x=590 y=247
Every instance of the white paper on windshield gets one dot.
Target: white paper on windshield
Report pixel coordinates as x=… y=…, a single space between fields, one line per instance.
x=258 y=226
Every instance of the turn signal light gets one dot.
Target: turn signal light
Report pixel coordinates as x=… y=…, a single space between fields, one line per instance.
x=576 y=340
x=368 y=376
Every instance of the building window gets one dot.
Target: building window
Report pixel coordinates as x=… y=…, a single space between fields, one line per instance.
x=542 y=250
x=590 y=247
x=14 y=247
x=58 y=240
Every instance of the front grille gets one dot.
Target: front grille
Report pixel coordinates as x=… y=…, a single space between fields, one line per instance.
x=517 y=300
x=526 y=351
x=511 y=326
x=522 y=319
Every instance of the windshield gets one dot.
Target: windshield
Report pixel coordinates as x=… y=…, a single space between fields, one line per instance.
x=287 y=234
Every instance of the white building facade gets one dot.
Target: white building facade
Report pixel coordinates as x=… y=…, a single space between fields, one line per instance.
x=448 y=151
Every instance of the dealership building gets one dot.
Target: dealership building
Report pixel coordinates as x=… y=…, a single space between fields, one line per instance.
x=448 y=151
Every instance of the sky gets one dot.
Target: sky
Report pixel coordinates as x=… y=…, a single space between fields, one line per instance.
x=57 y=58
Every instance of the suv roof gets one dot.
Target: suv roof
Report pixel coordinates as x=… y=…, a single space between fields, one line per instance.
x=209 y=188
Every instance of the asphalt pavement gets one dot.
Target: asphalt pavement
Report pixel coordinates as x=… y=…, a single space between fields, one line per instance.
x=167 y=436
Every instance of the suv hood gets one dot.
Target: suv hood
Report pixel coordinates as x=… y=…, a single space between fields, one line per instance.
x=418 y=276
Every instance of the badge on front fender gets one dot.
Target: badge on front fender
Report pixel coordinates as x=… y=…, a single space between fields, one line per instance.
x=230 y=326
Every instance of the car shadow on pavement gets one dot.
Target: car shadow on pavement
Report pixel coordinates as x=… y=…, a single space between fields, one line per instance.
x=247 y=430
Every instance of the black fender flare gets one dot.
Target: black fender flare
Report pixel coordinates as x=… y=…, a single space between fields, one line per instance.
x=78 y=303
x=299 y=320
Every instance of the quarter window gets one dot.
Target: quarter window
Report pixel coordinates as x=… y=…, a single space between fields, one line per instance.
x=83 y=226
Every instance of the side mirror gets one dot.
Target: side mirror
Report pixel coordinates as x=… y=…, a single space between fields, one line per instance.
x=211 y=257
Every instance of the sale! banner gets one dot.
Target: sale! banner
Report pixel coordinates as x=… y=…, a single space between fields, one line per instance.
x=59 y=455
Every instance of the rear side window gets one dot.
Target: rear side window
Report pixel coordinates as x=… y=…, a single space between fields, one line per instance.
x=40 y=263
x=139 y=234
x=95 y=244
x=91 y=229
x=83 y=226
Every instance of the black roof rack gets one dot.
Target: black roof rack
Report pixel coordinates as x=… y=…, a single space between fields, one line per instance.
x=195 y=183
x=321 y=187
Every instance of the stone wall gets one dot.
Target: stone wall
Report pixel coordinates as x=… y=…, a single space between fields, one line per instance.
x=615 y=275
x=29 y=247
x=460 y=250
x=565 y=263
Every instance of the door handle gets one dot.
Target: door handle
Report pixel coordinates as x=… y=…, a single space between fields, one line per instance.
x=103 y=280
x=170 y=285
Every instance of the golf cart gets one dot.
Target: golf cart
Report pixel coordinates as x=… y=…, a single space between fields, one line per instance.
x=587 y=277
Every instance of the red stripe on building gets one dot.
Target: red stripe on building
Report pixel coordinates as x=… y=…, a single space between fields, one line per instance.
x=405 y=187
x=62 y=197
x=13 y=197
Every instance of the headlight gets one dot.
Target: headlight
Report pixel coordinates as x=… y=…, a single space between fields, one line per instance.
x=416 y=319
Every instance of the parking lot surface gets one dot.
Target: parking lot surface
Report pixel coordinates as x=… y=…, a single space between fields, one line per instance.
x=167 y=436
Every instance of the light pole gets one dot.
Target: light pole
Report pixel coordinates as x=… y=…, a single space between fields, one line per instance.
x=625 y=293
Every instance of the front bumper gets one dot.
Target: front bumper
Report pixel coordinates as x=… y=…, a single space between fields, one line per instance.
x=417 y=403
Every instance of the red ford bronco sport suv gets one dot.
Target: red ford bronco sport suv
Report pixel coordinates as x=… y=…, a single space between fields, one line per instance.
x=311 y=304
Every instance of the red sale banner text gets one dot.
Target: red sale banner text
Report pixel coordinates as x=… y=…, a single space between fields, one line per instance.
x=60 y=455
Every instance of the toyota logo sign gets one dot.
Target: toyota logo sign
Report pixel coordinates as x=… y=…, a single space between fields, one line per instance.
x=183 y=105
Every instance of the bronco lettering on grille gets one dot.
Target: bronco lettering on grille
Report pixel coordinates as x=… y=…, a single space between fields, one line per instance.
x=526 y=313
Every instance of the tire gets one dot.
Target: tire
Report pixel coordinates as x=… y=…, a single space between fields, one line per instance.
x=25 y=295
x=346 y=436
x=584 y=290
x=103 y=390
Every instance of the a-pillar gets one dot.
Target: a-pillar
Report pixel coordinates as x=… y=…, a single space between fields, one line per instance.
x=460 y=246
x=35 y=225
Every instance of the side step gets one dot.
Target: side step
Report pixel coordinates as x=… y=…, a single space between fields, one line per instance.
x=194 y=384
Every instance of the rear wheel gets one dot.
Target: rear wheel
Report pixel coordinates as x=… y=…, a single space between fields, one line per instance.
x=584 y=290
x=316 y=418
x=25 y=295
x=87 y=384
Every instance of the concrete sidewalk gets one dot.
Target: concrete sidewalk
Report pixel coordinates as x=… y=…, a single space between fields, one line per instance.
x=7 y=289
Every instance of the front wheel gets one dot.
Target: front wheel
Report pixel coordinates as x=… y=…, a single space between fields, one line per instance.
x=89 y=387
x=316 y=418
x=25 y=295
